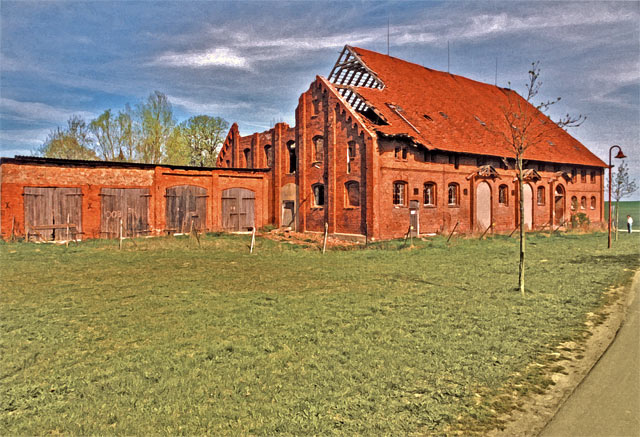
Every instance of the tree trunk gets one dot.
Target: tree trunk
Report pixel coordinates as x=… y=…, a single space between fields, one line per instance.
x=617 y=218
x=522 y=234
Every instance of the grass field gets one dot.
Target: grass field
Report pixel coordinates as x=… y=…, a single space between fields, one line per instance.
x=170 y=338
x=631 y=208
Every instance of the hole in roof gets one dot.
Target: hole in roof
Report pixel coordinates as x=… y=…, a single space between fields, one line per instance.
x=443 y=114
x=374 y=118
x=480 y=121
x=427 y=117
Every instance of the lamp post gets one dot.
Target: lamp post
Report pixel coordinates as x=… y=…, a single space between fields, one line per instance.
x=620 y=155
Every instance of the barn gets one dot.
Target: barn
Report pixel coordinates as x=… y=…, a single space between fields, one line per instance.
x=380 y=148
x=57 y=199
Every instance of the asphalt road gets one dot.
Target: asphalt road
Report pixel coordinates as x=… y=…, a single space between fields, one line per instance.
x=607 y=402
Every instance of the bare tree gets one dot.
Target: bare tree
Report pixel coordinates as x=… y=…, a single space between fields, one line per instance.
x=622 y=186
x=525 y=125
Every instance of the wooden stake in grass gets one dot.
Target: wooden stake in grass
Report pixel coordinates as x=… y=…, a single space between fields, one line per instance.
x=487 y=230
x=13 y=227
x=194 y=232
x=120 y=242
x=253 y=239
x=515 y=229
x=324 y=241
x=452 y=231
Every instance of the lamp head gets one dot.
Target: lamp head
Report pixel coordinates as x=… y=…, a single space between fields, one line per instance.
x=620 y=155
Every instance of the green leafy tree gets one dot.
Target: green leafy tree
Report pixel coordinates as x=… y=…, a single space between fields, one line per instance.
x=73 y=142
x=115 y=135
x=178 y=152
x=155 y=126
x=203 y=136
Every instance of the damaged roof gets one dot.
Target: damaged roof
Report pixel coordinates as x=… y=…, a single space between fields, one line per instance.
x=447 y=112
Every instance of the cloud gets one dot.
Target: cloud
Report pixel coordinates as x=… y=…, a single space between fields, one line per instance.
x=195 y=107
x=36 y=111
x=214 y=57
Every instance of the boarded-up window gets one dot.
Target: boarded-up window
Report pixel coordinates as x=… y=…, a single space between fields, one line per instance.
x=503 y=195
x=429 y=194
x=238 y=209
x=352 y=190
x=53 y=213
x=267 y=155
x=318 y=145
x=129 y=204
x=186 y=208
x=540 y=196
x=318 y=195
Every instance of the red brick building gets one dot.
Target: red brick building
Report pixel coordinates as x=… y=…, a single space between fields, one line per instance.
x=379 y=146
x=57 y=199
x=383 y=144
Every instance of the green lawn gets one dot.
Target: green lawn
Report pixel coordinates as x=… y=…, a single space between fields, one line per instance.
x=170 y=338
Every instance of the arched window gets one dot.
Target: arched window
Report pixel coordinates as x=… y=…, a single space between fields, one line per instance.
x=540 y=196
x=574 y=203
x=318 y=195
x=267 y=155
x=291 y=147
x=247 y=158
x=593 y=202
x=352 y=194
x=503 y=195
x=400 y=193
x=429 y=194
x=318 y=145
x=583 y=202
x=453 y=194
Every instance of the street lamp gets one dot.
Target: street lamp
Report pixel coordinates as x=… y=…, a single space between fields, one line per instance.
x=620 y=155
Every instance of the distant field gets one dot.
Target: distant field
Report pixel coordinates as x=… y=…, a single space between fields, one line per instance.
x=170 y=338
x=631 y=208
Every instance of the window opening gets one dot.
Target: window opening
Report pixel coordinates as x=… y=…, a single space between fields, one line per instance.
x=583 y=176
x=593 y=176
x=247 y=158
x=318 y=144
x=453 y=194
x=583 y=202
x=399 y=193
x=318 y=195
x=593 y=202
x=574 y=203
x=267 y=155
x=291 y=146
x=429 y=194
x=351 y=154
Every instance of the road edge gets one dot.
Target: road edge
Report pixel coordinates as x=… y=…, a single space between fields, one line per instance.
x=538 y=410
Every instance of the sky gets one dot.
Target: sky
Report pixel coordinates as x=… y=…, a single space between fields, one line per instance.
x=248 y=62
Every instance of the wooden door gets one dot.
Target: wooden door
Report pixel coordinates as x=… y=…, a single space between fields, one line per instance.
x=238 y=209
x=559 y=206
x=129 y=204
x=483 y=206
x=528 y=206
x=186 y=206
x=414 y=215
x=48 y=211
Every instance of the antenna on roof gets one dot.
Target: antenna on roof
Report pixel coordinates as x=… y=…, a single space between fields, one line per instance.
x=388 y=26
x=448 y=58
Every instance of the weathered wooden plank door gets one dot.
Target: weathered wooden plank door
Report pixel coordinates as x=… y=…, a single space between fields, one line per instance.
x=55 y=207
x=238 y=209
x=186 y=205
x=129 y=204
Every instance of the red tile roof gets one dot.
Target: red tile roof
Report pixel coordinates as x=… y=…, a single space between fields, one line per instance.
x=444 y=111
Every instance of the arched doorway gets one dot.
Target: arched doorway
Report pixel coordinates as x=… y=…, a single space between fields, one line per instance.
x=238 y=209
x=558 y=205
x=528 y=206
x=483 y=206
